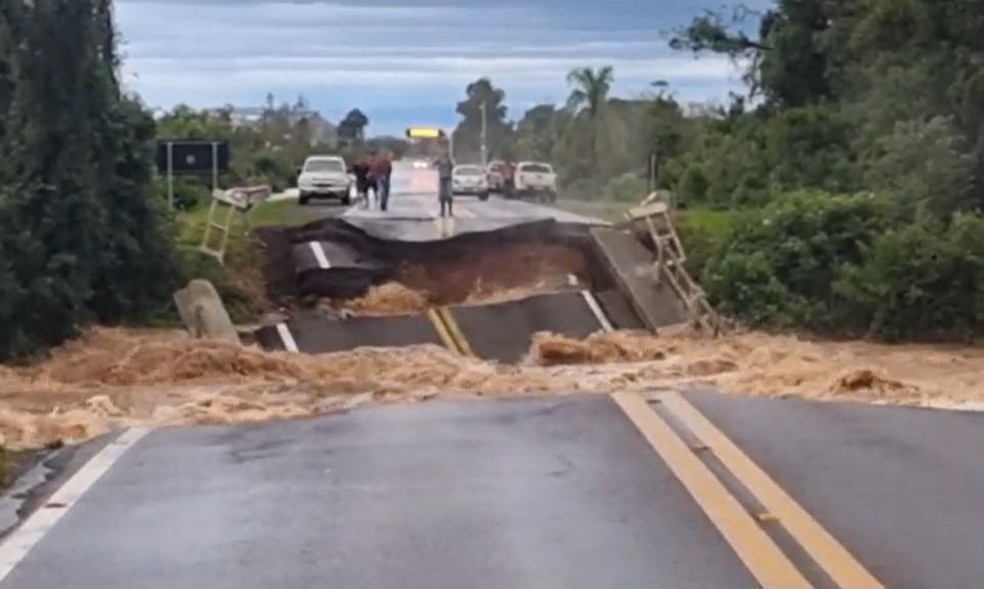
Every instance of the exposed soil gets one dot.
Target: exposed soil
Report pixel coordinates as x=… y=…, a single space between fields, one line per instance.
x=112 y=378
x=479 y=273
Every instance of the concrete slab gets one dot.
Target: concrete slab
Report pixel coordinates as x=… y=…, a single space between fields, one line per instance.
x=319 y=335
x=657 y=304
x=901 y=488
x=619 y=310
x=203 y=313
x=504 y=331
x=513 y=493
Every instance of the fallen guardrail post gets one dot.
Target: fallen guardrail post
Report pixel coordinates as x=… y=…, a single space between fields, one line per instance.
x=227 y=205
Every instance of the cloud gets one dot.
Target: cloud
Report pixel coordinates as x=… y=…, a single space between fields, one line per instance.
x=387 y=55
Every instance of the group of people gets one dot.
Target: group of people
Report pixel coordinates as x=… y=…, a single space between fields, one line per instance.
x=373 y=173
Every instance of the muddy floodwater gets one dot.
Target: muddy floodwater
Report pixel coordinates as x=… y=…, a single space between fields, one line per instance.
x=111 y=378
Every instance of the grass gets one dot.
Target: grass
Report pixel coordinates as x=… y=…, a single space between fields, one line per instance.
x=239 y=280
x=191 y=224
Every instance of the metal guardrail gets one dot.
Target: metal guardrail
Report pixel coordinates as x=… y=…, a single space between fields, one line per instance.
x=656 y=212
x=236 y=202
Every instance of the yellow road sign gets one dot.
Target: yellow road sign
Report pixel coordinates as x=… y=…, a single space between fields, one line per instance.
x=424 y=133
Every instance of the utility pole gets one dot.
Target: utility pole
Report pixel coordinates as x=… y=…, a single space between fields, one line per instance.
x=485 y=126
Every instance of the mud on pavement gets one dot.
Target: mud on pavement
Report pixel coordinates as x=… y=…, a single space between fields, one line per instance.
x=111 y=378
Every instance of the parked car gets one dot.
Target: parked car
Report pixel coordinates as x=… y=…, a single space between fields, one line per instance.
x=470 y=180
x=324 y=176
x=536 y=180
x=495 y=176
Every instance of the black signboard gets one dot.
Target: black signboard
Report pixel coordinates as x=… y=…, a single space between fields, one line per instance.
x=192 y=157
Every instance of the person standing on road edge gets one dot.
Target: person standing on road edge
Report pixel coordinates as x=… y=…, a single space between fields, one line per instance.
x=508 y=172
x=445 y=168
x=383 y=172
x=372 y=181
x=361 y=171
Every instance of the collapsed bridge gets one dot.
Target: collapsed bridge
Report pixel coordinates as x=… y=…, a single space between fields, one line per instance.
x=562 y=274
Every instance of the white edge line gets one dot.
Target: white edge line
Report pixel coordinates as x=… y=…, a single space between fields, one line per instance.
x=319 y=254
x=32 y=530
x=287 y=338
x=596 y=309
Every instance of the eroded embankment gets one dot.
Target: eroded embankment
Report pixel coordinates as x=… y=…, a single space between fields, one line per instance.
x=112 y=378
x=376 y=277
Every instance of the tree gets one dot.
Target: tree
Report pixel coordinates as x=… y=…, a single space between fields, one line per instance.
x=537 y=132
x=81 y=236
x=590 y=92
x=482 y=94
x=353 y=126
x=590 y=88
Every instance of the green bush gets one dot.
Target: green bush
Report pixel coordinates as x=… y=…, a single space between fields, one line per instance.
x=629 y=188
x=189 y=192
x=925 y=280
x=800 y=243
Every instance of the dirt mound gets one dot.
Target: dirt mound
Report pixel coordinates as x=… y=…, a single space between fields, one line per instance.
x=488 y=274
x=870 y=382
x=549 y=349
x=391 y=298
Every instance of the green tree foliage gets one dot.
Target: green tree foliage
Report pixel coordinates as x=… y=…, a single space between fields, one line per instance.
x=849 y=97
x=482 y=94
x=81 y=236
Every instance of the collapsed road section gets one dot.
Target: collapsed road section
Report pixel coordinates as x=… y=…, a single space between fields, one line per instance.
x=484 y=291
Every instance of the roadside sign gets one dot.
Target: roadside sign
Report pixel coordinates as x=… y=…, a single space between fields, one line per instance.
x=179 y=156
x=425 y=133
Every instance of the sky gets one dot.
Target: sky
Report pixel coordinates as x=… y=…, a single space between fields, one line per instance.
x=405 y=62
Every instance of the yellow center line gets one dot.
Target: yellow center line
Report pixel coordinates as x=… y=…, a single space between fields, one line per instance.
x=442 y=331
x=455 y=330
x=764 y=560
x=838 y=563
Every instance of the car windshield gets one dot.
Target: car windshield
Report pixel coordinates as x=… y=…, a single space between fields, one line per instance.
x=537 y=168
x=324 y=166
x=468 y=171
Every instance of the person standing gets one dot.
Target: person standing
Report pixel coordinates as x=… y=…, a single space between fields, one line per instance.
x=508 y=172
x=383 y=173
x=361 y=171
x=445 y=169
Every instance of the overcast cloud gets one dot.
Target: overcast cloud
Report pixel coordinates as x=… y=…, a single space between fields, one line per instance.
x=403 y=62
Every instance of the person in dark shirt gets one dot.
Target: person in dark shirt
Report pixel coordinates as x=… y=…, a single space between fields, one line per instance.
x=382 y=173
x=361 y=171
x=445 y=168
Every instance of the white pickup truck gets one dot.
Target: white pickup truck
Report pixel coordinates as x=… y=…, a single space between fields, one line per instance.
x=535 y=180
x=324 y=176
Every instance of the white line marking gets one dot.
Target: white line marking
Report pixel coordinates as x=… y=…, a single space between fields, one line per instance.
x=319 y=254
x=287 y=338
x=31 y=531
x=596 y=310
x=465 y=213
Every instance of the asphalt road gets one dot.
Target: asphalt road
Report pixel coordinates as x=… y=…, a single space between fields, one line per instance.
x=538 y=492
x=414 y=198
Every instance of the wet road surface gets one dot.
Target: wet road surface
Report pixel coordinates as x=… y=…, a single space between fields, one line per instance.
x=582 y=491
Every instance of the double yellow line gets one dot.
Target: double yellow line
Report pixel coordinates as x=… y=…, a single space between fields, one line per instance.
x=449 y=331
x=745 y=534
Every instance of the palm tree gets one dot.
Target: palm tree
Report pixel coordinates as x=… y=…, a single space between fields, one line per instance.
x=591 y=87
x=590 y=90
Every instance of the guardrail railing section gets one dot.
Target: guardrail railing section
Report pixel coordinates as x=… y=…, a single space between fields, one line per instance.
x=655 y=212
